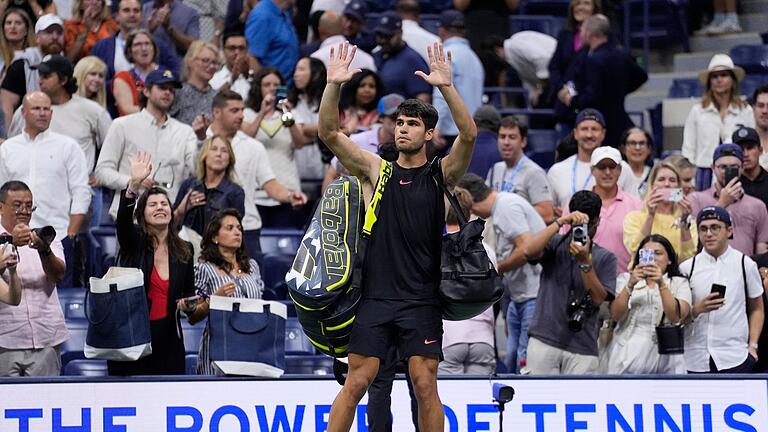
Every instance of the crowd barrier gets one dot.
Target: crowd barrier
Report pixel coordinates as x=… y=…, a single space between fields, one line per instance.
x=301 y=403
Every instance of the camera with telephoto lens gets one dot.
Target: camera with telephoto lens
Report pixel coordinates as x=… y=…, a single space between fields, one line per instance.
x=579 y=310
x=581 y=234
x=47 y=234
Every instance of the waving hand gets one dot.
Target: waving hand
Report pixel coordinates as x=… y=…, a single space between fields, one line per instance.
x=439 y=67
x=338 y=65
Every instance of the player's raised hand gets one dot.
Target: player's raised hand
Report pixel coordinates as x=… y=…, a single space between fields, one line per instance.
x=439 y=66
x=338 y=67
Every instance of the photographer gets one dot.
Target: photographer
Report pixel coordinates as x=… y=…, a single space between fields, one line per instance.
x=577 y=276
x=727 y=314
x=32 y=331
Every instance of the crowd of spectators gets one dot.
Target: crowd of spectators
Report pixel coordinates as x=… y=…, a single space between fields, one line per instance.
x=201 y=118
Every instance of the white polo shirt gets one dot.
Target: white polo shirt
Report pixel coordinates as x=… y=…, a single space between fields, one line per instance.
x=723 y=333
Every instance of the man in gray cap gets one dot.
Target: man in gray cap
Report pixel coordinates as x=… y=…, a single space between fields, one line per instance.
x=754 y=179
x=486 y=152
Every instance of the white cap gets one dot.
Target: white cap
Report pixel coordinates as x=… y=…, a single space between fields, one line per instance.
x=46 y=21
x=605 y=152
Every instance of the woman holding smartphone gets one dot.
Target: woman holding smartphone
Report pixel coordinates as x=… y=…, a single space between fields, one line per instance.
x=654 y=288
x=224 y=269
x=666 y=212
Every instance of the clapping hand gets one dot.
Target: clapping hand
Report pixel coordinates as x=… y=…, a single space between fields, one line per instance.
x=338 y=66
x=141 y=168
x=226 y=290
x=8 y=258
x=439 y=67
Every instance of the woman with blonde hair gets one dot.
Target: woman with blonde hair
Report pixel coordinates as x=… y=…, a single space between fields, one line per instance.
x=214 y=188
x=90 y=73
x=713 y=120
x=666 y=212
x=91 y=22
x=193 y=101
x=15 y=37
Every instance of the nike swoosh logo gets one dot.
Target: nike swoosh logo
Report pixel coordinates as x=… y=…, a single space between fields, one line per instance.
x=429 y=342
x=403 y=182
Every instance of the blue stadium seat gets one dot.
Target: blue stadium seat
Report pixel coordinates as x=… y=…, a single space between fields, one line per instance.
x=541 y=146
x=546 y=24
x=86 y=367
x=283 y=241
x=73 y=348
x=666 y=24
x=192 y=335
x=274 y=268
x=190 y=364
x=686 y=88
x=753 y=58
x=751 y=83
x=495 y=96
x=296 y=342
x=544 y=7
x=106 y=237
x=309 y=365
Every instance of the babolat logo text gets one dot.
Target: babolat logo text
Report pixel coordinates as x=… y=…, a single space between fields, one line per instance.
x=334 y=251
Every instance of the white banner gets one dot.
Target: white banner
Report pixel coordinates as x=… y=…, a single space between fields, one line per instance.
x=539 y=405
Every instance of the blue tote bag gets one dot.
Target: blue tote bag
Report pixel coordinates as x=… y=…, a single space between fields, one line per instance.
x=247 y=336
x=118 y=316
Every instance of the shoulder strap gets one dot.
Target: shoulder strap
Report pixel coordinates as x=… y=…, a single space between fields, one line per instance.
x=744 y=278
x=437 y=174
x=693 y=264
x=372 y=212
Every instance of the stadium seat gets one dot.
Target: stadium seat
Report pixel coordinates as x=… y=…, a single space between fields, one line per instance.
x=751 y=83
x=190 y=364
x=86 y=367
x=544 y=7
x=541 y=147
x=753 y=58
x=296 y=342
x=74 y=347
x=493 y=96
x=686 y=88
x=106 y=237
x=192 y=335
x=546 y=24
x=282 y=241
x=308 y=365
x=273 y=271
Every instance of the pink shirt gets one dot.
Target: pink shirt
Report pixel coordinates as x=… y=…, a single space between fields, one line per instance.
x=38 y=321
x=610 y=232
x=748 y=215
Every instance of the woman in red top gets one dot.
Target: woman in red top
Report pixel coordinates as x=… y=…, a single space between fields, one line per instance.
x=166 y=261
x=142 y=52
x=90 y=23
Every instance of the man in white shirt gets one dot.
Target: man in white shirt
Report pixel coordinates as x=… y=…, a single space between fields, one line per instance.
x=330 y=28
x=172 y=144
x=54 y=167
x=413 y=34
x=529 y=53
x=251 y=166
x=760 y=108
x=727 y=291
x=234 y=74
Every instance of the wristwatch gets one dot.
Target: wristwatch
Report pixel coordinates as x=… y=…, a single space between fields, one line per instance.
x=753 y=345
x=586 y=268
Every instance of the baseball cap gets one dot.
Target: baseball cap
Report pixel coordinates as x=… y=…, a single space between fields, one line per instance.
x=487 y=117
x=55 y=63
x=356 y=9
x=713 y=213
x=605 y=152
x=162 y=76
x=451 y=19
x=389 y=103
x=590 y=114
x=745 y=135
x=388 y=24
x=728 y=149
x=46 y=21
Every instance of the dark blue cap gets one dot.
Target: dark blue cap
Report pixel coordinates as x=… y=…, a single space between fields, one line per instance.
x=388 y=24
x=590 y=114
x=162 y=76
x=452 y=19
x=728 y=149
x=713 y=213
x=357 y=10
x=746 y=136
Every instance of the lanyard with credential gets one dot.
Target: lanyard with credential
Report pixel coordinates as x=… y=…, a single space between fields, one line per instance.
x=506 y=185
x=573 y=177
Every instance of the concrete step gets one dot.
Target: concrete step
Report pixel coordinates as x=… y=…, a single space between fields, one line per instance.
x=754 y=6
x=660 y=82
x=692 y=62
x=724 y=43
x=643 y=100
x=755 y=22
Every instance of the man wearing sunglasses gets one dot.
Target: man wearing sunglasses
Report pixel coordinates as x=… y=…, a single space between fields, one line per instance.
x=727 y=314
x=749 y=214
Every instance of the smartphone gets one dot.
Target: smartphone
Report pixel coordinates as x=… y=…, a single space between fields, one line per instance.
x=280 y=94
x=6 y=238
x=720 y=289
x=731 y=172
x=671 y=194
x=646 y=257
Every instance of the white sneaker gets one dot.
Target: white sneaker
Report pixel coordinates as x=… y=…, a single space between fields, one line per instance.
x=710 y=29
x=730 y=27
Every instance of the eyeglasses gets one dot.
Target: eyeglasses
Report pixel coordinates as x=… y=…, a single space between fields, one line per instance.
x=23 y=208
x=208 y=62
x=637 y=144
x=714 y=229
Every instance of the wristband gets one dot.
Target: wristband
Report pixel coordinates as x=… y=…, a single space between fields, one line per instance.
x=559 y=225
x=131 y=191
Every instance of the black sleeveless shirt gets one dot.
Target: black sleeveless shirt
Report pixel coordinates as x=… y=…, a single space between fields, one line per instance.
x=402 y=260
